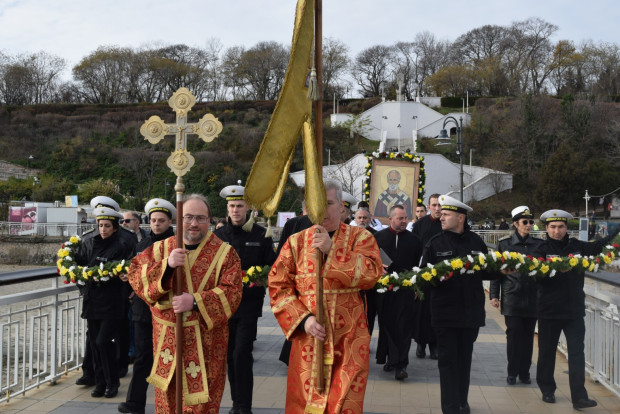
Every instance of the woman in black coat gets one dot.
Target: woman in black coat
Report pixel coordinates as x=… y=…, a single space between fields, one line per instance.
x=104 y=303
x=518 y=298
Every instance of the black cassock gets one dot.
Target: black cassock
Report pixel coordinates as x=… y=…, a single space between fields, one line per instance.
x=396 y=309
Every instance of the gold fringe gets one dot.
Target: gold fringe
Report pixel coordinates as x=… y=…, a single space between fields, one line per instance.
x=247 y=227
x=313 y=86
x=269 y=232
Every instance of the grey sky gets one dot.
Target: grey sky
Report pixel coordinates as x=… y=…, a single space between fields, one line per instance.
x=72 y=29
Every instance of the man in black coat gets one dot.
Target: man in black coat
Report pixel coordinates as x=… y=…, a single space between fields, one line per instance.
x=363 y=219
x=254 y=249
x=457 y=304
x=561 y=307
x=518 y=294
x=397 y=307
x=426 y=228
x=161 y=214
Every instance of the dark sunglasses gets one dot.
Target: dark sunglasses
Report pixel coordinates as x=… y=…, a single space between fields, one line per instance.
x=526 y=222
x=123 y=221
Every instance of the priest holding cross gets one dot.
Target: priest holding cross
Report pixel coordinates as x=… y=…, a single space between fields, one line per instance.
x=190 y=312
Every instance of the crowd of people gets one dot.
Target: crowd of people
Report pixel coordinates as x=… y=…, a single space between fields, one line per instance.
x=349 y=251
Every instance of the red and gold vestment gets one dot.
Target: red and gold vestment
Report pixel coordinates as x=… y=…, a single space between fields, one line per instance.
x=213 y=277
x=353 y=264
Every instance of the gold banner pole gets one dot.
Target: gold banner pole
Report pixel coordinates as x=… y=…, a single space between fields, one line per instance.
x=318 y=125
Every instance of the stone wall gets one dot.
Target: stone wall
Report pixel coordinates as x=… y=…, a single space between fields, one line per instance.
x=29 y=250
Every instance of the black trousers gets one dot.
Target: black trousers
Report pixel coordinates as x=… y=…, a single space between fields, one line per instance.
x=371 y=307
x=548 y=336
x=88 y=368
x=242 y=332
x=454 y=347
x=104 y=336
x=142 y=365
x=519 y=345
x=396 y=322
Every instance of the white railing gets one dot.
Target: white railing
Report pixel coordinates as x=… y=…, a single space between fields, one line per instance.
x=41 y=337
x=602 y=341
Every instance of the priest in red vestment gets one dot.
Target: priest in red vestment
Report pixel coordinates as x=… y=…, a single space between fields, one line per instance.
x=352 y=262
x=211 y=294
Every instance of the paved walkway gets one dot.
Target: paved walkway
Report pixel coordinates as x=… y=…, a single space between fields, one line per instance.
x=488 y=393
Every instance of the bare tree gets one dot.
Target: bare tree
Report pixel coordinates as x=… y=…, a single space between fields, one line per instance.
x=335 y=63
x=262 y=70
x=372 y=68
x=346 y=174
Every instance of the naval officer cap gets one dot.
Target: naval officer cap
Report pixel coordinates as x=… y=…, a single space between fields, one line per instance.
x=348 y=200
x=232 y=192
x=555 y=215
x=452 y=204
x=521 y=212
x=107 y=213
x=159 y=204
x=103 y=201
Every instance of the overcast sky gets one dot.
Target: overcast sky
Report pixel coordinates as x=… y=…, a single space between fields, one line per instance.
x=72 y=29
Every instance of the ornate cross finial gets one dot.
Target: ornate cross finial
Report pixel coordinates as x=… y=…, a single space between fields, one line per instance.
x=207 y=128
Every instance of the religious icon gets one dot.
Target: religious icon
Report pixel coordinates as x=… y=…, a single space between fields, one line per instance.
x=393 y=182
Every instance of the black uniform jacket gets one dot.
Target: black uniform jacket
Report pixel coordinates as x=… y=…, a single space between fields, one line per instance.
x=426 y=227
x=254 y=249
x=104 y=300
x=140 y=311
x=518 y=291
x=404 y=256
x=292 y=226
x=562 y=296
x=457 y=302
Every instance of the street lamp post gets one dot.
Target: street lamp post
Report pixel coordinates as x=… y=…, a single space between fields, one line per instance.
x=30 y=157
x=443 y=134
x=35 y=181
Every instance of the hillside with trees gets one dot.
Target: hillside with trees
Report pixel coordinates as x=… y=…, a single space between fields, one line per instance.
x=544 y=111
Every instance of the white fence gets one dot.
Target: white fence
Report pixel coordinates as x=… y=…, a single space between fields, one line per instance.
x=41 y=337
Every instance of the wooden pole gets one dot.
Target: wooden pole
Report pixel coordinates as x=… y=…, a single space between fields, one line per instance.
x=318 y=126
x=178 y=290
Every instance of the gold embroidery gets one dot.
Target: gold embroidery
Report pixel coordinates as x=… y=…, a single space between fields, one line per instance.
x=166 y=356
x=192 y=370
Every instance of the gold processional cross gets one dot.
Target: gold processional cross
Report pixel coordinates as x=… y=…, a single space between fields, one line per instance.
x=180 y=161
x=207 y=128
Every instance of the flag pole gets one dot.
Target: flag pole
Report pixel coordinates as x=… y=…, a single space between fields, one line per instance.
x=318 y=127
x=178 y=290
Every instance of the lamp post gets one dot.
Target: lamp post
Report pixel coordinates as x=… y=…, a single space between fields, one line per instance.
x=35 y=181
x=443 y=134
x=30 y=157
x=166 y=185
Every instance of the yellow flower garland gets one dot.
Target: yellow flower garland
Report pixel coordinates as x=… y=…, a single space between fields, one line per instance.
x=537 y=268
x=74 y=273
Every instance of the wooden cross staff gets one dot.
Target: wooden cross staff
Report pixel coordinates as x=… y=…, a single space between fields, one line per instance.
x=180 y=161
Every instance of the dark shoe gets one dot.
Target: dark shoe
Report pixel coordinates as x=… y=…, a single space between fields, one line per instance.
x=244 y=411
x=84 y=380
x=584 y=403
x=420 y=351
x=464 y=408
x=111 y=391
x=388 y=367
x=122 y=372
x=400 y=374
x=433 y=355
x=98 y=392
x=130 y=408
x=525 y=380
x=549 y=398
x=511 y=380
